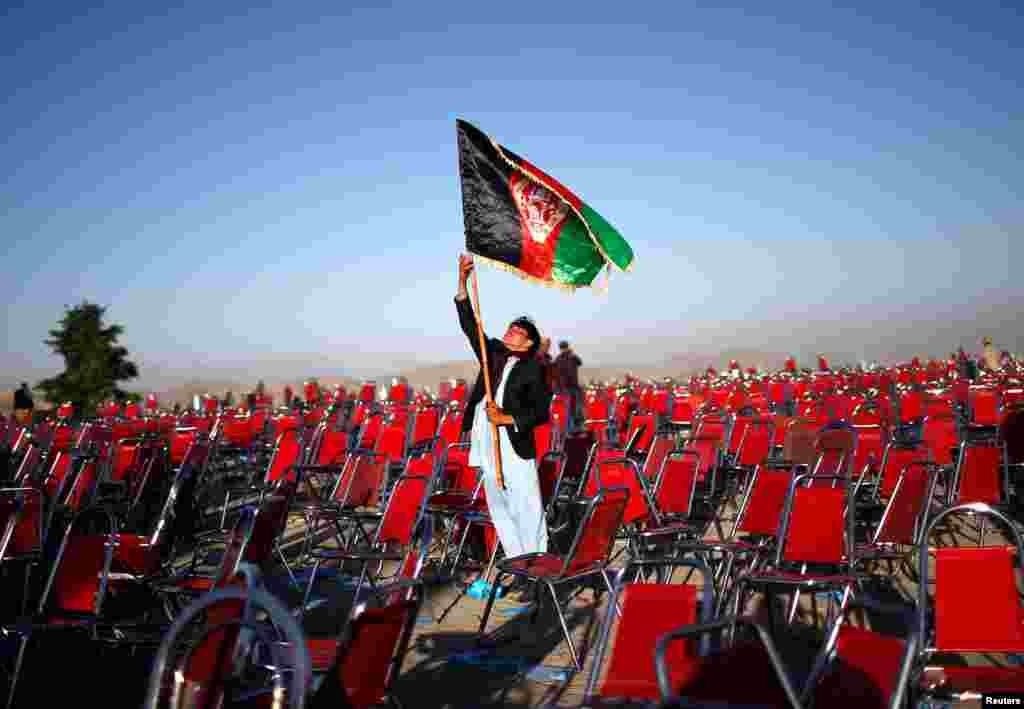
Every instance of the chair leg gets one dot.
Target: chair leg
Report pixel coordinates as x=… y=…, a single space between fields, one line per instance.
x=18 y=662
x=565 y=627
x=490 y=604
x=287 y=567
x=309 y=589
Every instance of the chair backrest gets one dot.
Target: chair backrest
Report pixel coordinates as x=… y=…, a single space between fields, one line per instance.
x=647 y=611
x=179 y=444
x=333 y=448
x=595 y=537
x=637 y=422
x=908 y=505
x=593 y=482
x=761 y=509
x=456 y=475
x=239 y=432
x=623 y=472
x=659 y=449
x=82 y=560
x=858 y=667
x=370 y=430
x=798 y=447
x=637 y=615
x=287 y=454
x=404 y=509
x=425 y=425
x=29 y=464
x=57 y=477
x=84 y=484
x=897 y=456
x=543 y=438
x=940 y=436
x=755 y=445
x=708 y=447
x=236 y=549
x=983 y=404
x=1012 y=433
x=815 y=526
x=21 y=522
x=740 y=422
x=126 y=459
x=368 y=471
x=271 y=518
x=967 y=579
x=550 y=468
x=451 y=425
x=681 y=413
x=867 y=456
x=369 y=657
x=835 y=445
x=177 y=518
x=578 y=448
x=980 y=473
x=676 y=483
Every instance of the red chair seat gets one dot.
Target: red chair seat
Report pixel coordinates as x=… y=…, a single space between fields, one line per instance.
x=671 y=529
x=985 y=679
x=322 y=652
x=538 y=566
x=792 y=578
x=454 y=502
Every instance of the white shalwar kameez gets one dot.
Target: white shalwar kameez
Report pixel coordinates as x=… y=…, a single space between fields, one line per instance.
x=516 y=512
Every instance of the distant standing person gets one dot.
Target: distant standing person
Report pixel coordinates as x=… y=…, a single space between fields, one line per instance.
x=23 y=404
x=989 y=357
x=546 y=361
x=567 y=370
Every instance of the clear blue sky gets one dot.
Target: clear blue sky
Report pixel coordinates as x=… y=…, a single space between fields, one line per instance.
x=278 y=186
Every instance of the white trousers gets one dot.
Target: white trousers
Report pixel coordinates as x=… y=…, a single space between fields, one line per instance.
x=517 y=511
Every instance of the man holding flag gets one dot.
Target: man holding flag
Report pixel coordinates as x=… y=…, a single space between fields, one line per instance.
x=522 y=220
x=521 y=402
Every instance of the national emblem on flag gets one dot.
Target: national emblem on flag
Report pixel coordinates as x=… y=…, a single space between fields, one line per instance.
x=523 y=220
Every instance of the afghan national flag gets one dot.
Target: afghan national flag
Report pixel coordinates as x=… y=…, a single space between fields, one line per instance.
x=524 y=220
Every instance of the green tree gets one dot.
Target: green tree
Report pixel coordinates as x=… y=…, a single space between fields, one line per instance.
x=93 y=361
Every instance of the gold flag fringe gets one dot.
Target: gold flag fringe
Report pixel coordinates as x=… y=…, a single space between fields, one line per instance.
x=502 y=266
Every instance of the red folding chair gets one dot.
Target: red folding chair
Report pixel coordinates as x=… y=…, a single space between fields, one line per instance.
x=743 y=673
x=368 y=656
x=224 y=664
x=815 y=544
x=974 y=608
x=393 y=539
x=859 y=667
x=589 y=555
x=637 y=615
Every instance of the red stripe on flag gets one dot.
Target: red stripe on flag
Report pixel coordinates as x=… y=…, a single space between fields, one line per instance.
x=541 y=217
x=538 y=258
x=551 y=182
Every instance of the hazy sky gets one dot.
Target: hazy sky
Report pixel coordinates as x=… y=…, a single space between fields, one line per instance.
x=275 y=189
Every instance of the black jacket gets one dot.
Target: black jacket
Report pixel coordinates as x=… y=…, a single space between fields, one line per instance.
x=527 y=397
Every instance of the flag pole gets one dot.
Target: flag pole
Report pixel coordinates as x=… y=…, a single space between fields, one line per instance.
x=487 y=382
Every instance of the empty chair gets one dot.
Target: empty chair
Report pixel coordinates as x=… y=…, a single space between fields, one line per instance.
x=861 y=668
x=974 y=607
x=637 y=615
x=588 y=556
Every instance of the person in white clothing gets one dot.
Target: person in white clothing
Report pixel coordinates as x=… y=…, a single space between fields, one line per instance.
x=522 y=402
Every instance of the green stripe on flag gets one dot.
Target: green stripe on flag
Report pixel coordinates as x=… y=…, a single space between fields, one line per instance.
x=577 y=260
x=612 y=244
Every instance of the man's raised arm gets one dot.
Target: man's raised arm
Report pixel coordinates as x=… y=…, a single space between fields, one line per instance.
x=465 y=309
